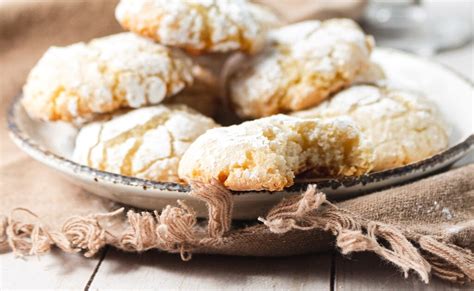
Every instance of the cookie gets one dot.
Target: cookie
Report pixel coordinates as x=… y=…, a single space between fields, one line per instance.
x=302 y=65
x=199 y=26
x=403 y=126
x=267 y=153
x=145 y=143
x=84 y=79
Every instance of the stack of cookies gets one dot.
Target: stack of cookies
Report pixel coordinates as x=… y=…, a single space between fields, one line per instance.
x=308 y=96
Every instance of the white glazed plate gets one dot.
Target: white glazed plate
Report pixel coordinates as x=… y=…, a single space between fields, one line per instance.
x=52 y=144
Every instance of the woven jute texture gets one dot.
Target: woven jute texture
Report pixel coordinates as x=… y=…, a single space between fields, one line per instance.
x=426 y=228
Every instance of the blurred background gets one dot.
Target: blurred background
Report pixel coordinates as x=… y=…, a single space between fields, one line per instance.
x=432 y=28
x=424 y=27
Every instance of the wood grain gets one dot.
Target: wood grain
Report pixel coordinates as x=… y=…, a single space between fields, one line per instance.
x=56 y=270
x=366 y=271
x=166 y=271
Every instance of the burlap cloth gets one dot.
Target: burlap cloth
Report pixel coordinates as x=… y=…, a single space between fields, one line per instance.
x=426 y=227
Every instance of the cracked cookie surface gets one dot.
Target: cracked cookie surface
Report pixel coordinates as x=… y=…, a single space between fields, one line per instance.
x=198 y=25
x=145 y=143
x=123 y=70
x=302 y=65
x=267 y=153
x=403 y=127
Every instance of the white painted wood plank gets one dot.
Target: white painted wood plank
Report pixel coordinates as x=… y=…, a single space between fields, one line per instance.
x=56 y=270
x=366 y=271
x=167 y=272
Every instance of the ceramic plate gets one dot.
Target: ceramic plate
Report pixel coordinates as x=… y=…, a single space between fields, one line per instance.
x=52 y=144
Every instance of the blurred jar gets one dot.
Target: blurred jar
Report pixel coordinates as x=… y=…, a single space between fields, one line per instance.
x=299 y=10
x=422 y=27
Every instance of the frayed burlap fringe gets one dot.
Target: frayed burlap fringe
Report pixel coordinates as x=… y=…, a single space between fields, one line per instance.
x=219 y=202
x=176 y=230
x=422 y=254
x=78 y=233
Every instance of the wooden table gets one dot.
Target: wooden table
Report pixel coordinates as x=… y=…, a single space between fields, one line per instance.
x=113 y=269
x=153 y=270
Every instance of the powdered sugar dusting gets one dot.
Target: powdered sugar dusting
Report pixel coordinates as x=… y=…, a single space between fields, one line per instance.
x=199 y=25
x=122 y=70
x=267 y=153
x=403 y=126
x=146 y=143
x=303 y=64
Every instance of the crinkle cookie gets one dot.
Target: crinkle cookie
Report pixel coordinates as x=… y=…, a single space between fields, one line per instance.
x=145 y=143
x=199 y=25
x=403 y=127
x=302 y=65
x=122 y=70
x=267 y=153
